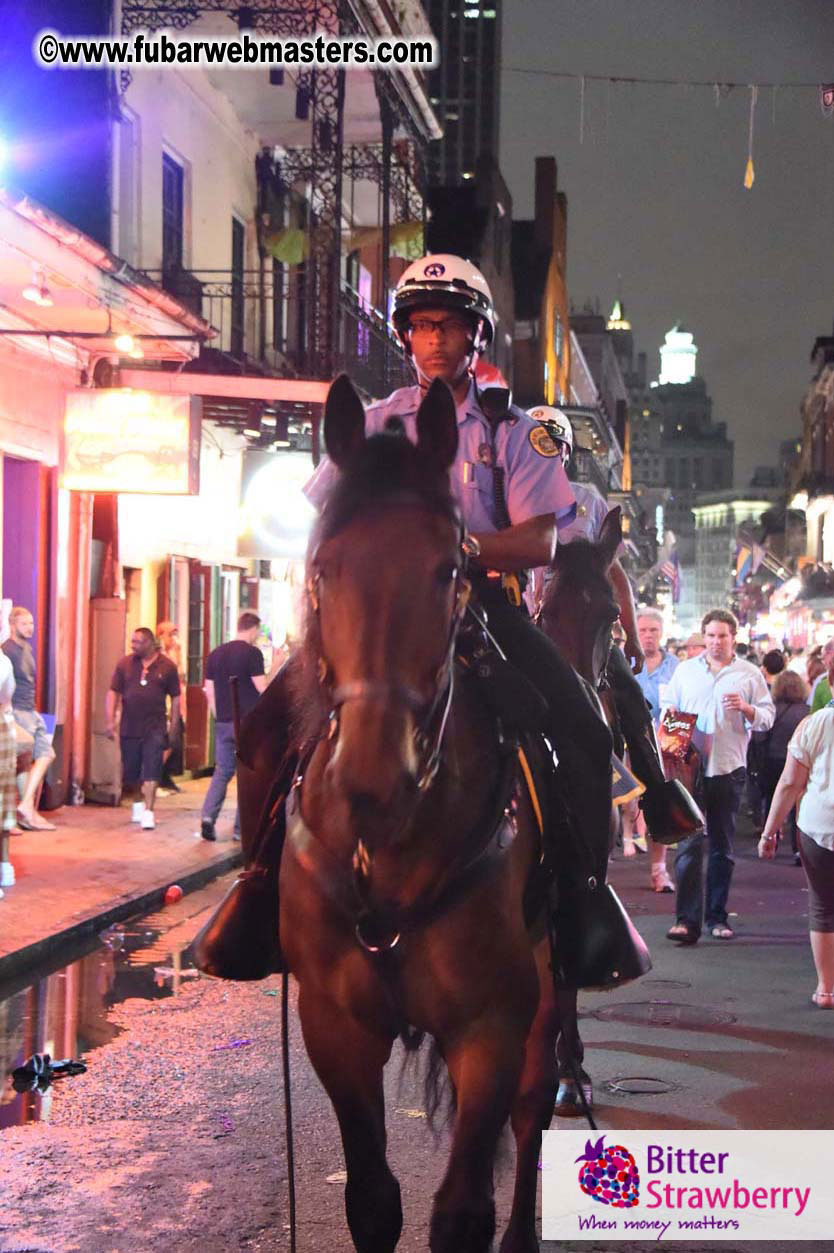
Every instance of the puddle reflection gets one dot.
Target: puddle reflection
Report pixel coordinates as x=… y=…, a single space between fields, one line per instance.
x=64 y=1013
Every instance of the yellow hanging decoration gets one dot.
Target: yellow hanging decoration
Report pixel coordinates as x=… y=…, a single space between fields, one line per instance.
x=749 y=173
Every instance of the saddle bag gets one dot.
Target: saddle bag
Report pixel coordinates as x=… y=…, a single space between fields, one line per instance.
x=240 y=940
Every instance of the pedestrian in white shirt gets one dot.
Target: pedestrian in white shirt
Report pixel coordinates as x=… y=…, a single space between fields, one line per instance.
x=808 y=779
x=731 y=700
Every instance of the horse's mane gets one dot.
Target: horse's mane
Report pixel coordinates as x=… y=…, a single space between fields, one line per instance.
x=387 y=470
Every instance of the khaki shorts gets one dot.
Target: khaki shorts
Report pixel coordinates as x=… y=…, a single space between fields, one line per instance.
x=32 y=722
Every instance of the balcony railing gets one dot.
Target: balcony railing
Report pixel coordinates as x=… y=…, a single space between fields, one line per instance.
x=367 y=351
x=262 y=318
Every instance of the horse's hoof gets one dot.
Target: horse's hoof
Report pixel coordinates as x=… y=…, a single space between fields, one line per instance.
x=568 y=1102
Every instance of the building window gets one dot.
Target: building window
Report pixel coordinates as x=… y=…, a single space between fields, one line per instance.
x=238 y=253
x=173 y=213
x=670 y=472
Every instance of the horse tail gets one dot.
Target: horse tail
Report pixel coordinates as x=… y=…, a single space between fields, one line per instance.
x=439 y=1095
x=439 y=1098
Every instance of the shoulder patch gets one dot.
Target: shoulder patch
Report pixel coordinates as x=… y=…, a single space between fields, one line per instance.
x=543 y=442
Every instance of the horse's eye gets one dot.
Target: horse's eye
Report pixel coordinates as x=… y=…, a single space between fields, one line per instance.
x=445 y=573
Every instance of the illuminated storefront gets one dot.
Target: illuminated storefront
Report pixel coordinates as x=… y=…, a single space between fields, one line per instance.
x=66 y=306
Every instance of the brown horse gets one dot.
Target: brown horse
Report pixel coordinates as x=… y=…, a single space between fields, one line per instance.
x=402 y=878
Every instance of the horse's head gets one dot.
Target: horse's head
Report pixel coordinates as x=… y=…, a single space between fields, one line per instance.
x=386 y=593
x=579 y=608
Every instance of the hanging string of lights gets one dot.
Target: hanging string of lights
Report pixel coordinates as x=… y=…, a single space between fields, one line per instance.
x=712 y=83
x=720 y=89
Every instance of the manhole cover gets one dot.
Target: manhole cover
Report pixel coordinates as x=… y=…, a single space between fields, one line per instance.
x=641 y=1085
x=664 y=985
x=664 y=1014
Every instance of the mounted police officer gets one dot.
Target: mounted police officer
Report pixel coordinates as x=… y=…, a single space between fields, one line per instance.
x=667 y=810
x=513 y=494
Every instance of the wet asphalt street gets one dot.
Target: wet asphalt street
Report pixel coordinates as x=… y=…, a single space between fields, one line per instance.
x=174 y=1138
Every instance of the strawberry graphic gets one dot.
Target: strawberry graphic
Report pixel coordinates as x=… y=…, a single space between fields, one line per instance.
x=609 y=1175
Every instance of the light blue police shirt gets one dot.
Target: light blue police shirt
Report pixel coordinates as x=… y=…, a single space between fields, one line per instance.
x=591 y=512
x=535 y=482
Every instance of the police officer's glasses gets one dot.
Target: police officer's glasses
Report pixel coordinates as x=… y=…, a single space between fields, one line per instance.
x=444 y=327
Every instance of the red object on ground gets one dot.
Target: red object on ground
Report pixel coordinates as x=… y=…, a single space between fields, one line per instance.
x=173 y=894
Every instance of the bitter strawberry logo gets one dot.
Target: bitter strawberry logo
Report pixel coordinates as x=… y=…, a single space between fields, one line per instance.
x=609 y=1175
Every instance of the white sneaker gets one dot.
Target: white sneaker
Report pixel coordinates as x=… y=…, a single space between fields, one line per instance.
x=148 y=820
x=7 y=876
x=138 y=811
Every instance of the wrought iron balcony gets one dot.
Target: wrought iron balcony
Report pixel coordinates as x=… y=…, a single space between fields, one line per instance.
x=261 y=319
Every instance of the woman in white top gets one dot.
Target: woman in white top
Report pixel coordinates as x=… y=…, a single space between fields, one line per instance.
x=808 y=778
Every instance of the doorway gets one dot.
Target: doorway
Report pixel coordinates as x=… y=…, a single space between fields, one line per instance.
x=132 y=582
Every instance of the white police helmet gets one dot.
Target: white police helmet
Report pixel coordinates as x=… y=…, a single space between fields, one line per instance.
x=557 y=423
x=443 y=281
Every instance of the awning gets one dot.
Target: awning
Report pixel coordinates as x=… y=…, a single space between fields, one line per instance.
x=57 y=282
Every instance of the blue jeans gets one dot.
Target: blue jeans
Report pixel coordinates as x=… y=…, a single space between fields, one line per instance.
x=225 y=764
x=722 y=797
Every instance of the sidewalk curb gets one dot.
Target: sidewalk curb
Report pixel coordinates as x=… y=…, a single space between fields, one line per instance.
x=12 y=965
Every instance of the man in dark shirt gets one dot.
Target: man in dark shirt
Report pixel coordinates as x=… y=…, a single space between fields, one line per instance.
x=19 y=652
x=238 y=658
x=143 y=681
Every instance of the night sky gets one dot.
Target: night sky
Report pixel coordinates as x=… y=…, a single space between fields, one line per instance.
x=655 y=192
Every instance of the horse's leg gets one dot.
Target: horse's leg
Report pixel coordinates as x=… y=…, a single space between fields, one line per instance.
x=349 y=1062
x=484 y=1067
x=531 y=1113
x=570 y=1054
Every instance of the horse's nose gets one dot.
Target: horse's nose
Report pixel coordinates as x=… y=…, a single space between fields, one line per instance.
x=374 y=765
x=370 y=799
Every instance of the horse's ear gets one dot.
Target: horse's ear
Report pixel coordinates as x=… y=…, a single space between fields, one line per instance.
x=611 y=535
x=344 y=421
x=437 y=425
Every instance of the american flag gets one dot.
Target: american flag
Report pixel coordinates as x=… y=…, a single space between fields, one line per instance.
x=670 y=569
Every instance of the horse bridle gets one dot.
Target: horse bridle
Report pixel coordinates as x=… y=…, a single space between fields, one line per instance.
x=433 y=713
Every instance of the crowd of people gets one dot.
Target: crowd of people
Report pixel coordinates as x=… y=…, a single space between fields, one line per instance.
x=763 y=733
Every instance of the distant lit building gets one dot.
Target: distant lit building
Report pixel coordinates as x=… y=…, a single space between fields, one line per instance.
x=718 y=517
x=465 y=88
x=678 y=356
x=694 y=452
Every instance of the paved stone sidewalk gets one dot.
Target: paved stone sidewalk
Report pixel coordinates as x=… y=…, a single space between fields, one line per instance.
x=99 y=867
